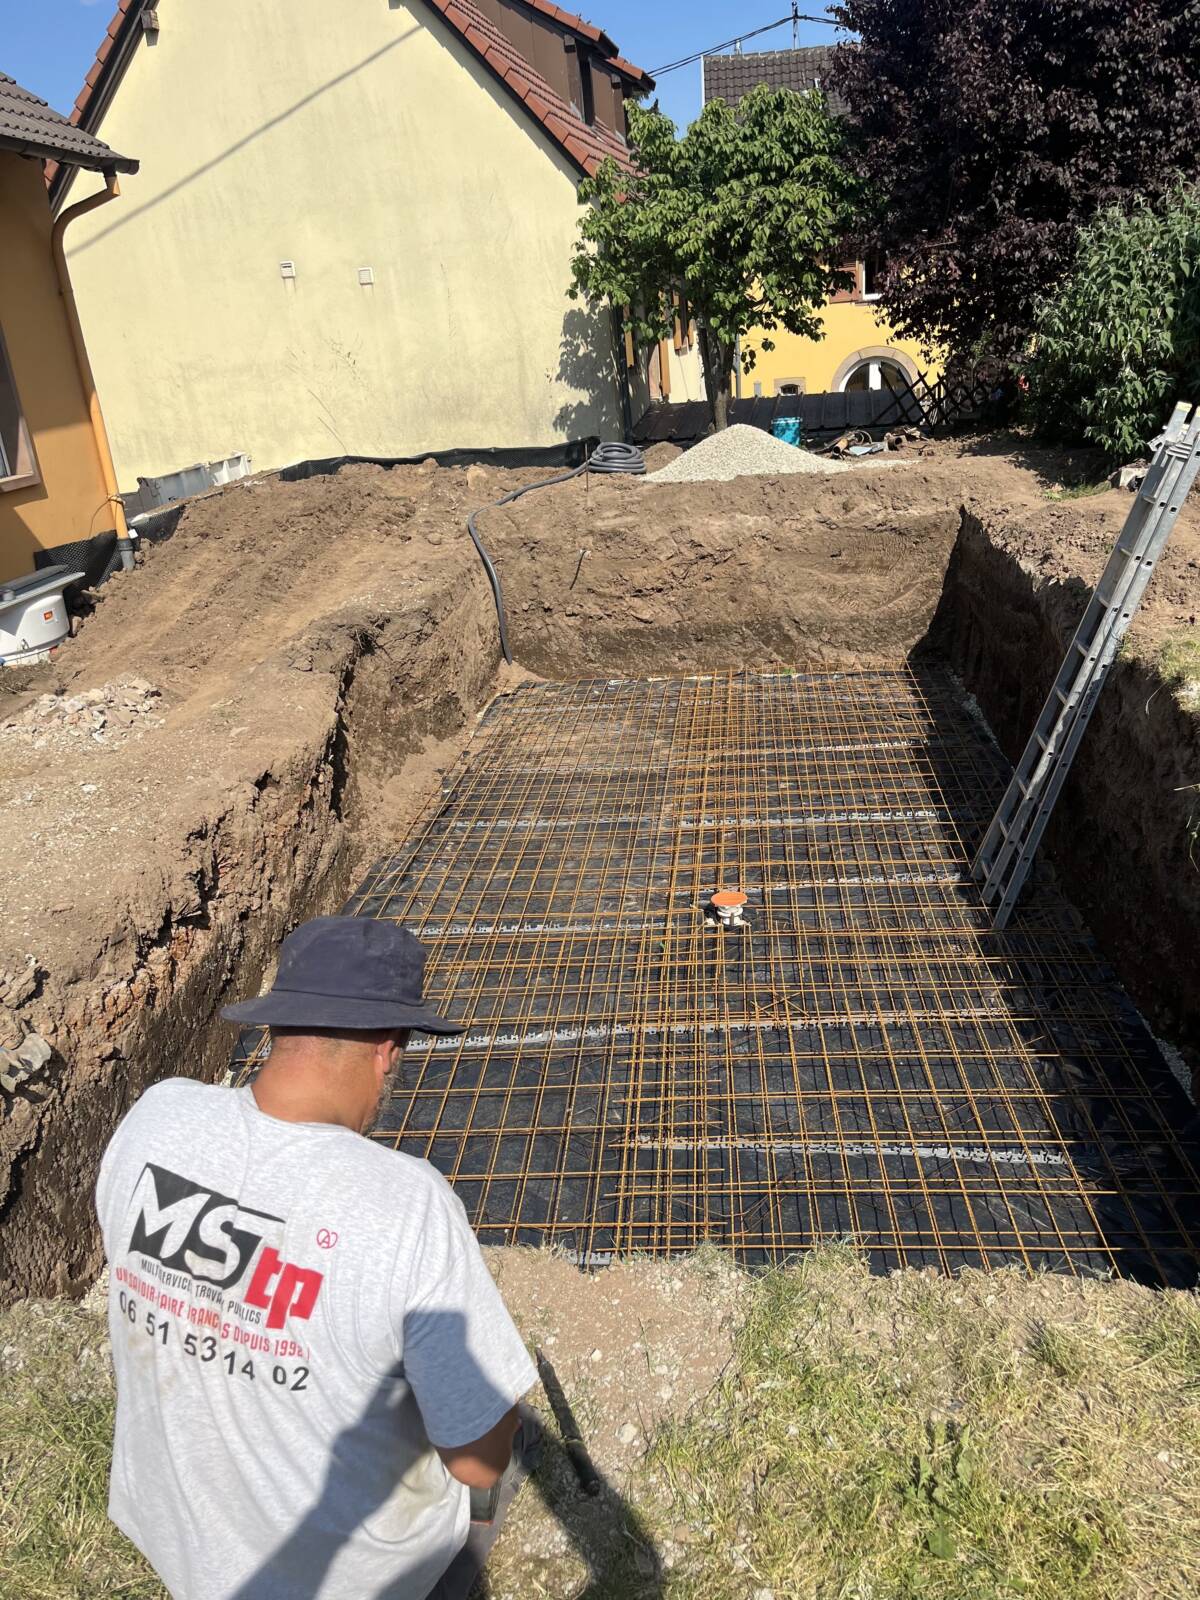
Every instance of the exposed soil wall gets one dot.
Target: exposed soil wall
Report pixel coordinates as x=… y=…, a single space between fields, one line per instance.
x=184 y=898
x=631 y=577
x=1120 y=835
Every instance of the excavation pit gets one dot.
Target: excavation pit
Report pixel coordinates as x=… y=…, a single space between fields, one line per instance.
x=864 y=1059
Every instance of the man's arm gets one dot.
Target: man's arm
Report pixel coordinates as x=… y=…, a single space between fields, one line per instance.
x=482 y=1463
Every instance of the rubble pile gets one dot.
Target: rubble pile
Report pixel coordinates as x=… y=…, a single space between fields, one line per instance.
x=23 y=1054
x=106 y=716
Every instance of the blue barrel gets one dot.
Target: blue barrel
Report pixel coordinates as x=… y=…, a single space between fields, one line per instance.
x=789 y=429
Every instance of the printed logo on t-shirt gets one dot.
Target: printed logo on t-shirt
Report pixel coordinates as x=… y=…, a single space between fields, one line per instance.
x=213 y=1239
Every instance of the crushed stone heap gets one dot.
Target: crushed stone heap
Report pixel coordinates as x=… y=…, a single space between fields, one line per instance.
x=741 y=452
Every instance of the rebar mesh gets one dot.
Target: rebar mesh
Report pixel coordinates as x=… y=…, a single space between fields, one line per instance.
x=865 y=1059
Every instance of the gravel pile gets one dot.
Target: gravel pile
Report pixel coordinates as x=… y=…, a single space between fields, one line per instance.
x=741 y=452
x=105 y=716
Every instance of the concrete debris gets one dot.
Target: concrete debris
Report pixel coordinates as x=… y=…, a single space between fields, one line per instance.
x=1131 y=477
x=106 y=716
x=25 y=1062
x=741 y=452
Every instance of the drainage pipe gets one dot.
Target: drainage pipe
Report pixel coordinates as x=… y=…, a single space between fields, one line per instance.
x=605 y=458
x=111 y=190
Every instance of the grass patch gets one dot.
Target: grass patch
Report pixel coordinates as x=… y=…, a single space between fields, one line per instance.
x=1178 y=663
x=1077 y=491
x=56 y=1419
x=917 y=1438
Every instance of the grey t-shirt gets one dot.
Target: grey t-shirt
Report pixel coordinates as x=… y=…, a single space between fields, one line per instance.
x=298 y=1314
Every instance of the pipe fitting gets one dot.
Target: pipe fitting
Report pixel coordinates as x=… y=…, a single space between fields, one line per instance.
x=729 y=904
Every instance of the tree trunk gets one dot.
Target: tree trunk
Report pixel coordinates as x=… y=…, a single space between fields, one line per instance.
x=717 y=359
x=720 y=407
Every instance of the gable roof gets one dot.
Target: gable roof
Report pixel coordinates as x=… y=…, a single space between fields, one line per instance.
x=30 y=128
x=730 y=77
x=585 y=145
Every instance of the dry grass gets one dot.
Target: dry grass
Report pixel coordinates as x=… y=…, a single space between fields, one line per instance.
x=1179 y=664
x=905 y=1438
x=56 y=1417
x=947 y=1439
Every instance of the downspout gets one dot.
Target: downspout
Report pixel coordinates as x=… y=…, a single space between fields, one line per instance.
x=95 y=416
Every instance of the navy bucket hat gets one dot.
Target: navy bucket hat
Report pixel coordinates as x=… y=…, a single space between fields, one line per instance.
x=346 y=972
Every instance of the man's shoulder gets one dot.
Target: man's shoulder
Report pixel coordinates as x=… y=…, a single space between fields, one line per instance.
x=174 y=1097
x=393 y=1169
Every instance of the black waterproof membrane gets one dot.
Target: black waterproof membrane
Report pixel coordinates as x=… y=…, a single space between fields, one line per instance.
x=864 y=1059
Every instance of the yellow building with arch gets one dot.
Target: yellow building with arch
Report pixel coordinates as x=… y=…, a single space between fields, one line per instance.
x=859 y=349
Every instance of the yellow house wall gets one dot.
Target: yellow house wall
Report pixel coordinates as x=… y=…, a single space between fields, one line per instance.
x=69 y=502
x=358 y=135
x=848 y=328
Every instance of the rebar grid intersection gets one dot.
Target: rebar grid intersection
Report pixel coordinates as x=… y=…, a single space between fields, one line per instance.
x=865 y=1059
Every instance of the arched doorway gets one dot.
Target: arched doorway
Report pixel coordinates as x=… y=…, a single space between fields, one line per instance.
x=875 y=368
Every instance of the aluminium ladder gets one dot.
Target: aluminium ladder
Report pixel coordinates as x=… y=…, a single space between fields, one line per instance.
x=1006 y=854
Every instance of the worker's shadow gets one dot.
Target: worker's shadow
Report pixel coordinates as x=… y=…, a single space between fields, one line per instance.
x=604 y=1529
x=380 y=1476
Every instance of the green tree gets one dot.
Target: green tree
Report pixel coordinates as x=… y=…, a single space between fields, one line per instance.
x=992 y=131
x=744 y=212
x=1118 y=342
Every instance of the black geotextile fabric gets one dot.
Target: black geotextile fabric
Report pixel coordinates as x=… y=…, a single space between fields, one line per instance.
x=866 y=1059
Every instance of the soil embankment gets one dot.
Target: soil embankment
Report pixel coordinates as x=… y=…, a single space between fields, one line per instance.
x=321 y=649
x=1124 y=835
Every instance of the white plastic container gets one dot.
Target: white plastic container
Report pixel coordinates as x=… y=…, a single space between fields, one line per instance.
x=33 y=615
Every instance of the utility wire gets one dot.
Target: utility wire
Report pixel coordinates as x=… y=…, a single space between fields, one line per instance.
x=793 y=16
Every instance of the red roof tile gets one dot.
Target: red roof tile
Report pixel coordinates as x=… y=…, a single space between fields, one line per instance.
x=586 y=145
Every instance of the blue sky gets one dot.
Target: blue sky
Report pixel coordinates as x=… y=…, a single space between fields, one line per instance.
x=48 y=45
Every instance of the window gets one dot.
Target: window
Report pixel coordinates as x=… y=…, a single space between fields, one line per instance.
x=873 y=269
x=18 y=468
x=789 y=385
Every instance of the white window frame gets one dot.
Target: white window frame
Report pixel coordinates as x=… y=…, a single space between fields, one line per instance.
x=21 y=473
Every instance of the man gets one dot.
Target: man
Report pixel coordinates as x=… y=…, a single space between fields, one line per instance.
x=314 y=1368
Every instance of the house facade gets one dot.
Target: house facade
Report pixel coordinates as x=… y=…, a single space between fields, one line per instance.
x=860 y=350
x=55 y=472
x=352 y=229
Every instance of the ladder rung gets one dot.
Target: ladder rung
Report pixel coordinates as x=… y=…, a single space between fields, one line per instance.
x=1062 y=695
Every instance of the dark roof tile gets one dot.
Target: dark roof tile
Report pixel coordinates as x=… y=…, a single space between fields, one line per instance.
x=730 y=77
x=30 y=127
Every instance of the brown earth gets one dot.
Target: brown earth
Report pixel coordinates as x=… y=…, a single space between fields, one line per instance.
x=322 y=648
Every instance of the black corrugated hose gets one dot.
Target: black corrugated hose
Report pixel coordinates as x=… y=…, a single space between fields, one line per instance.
x=611 y=457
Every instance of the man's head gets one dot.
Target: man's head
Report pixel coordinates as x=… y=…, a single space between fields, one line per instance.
x=347 y=1072
x=347 y=995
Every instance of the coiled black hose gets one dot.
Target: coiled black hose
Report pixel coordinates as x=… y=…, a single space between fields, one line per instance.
x=605 y=458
